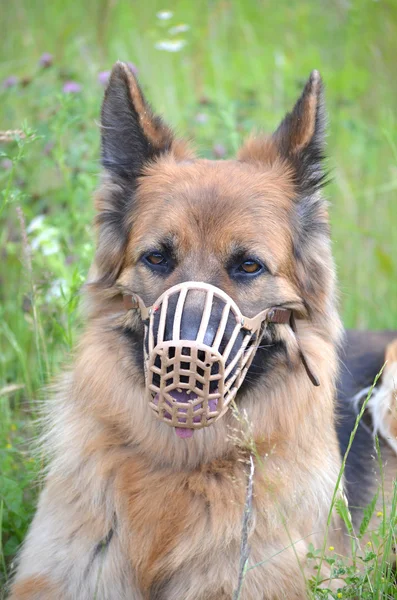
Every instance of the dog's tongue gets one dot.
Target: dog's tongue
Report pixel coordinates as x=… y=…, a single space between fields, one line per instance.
x=183 y=397
x=184 y=432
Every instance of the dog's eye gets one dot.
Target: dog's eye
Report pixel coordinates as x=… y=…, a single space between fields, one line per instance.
x=244 y=269
x=155 y=258
x=250 y=266
x=158 y=262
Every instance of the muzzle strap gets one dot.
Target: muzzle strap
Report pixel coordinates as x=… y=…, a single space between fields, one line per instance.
x=279 y=315
x=283 y=316
x=313 y=378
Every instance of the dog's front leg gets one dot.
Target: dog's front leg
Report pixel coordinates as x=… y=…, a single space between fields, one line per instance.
x=70 y=554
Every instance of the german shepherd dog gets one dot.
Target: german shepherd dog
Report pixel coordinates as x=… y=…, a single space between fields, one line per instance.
x=146 y=487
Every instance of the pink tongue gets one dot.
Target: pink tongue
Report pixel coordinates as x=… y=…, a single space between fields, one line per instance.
x=184 y=432
x=184 y=397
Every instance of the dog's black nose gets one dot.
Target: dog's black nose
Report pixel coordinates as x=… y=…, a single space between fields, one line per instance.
x=192 y=319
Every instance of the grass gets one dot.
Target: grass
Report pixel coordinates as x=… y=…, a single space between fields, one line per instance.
x=243 y=65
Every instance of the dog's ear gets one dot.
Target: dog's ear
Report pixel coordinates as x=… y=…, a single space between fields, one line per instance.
x=131 y=137
x=298 y=145
x=131 y=134
x=299 y=140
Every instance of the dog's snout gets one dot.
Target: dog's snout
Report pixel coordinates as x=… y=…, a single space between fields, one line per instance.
x=195 y=321
x=191 y=320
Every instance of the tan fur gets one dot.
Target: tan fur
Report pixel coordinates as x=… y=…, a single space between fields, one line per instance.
x=261 y=149
x=129 y=510
x=35 y=588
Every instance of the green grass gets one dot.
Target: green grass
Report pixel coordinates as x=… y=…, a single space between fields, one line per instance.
x=243 y=65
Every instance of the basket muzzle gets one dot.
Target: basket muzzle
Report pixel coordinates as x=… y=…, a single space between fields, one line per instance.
x=193 y=371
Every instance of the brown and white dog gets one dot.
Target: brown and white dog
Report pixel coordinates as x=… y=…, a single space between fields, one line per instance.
x=133 y=511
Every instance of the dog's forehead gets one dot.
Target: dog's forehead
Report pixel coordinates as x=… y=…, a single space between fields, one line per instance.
x=219 y=203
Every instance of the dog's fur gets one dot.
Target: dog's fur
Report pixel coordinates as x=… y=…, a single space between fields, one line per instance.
x=130 y=510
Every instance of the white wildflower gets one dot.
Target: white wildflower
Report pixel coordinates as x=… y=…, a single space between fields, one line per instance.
x=46 y=241
x=201 y=118
x=35 y=223
x=181 y=28
x=164 y=15
x=170 y=45
x=57 y=289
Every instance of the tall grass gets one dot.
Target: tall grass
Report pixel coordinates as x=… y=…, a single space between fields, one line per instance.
x=242 y=65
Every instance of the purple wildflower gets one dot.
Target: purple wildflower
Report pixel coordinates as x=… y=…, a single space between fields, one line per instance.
x=46 y=60
x=10 y=81
x=103 y=77
x=71 y=87
x=133 y=67
x=219 y=150
x=201 y=118
x=48 y=148
x=6 y=164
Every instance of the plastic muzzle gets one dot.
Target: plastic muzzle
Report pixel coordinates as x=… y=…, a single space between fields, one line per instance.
x=191 y=382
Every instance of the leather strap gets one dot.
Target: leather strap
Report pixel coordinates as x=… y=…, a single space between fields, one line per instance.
x=313 y=378
x=283 y=316
x=279 y=315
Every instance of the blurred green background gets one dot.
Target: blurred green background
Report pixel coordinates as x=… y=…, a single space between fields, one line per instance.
x=215 y=70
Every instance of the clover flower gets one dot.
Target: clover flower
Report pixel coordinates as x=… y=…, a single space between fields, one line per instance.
x=46 y=60
x=71 y=87
x=10 y=81
x=219 y=150
x=103 y=77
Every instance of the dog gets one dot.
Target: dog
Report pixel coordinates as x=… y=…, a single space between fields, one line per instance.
x=201 y=407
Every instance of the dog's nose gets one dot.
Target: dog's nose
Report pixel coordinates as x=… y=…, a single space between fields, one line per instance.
x=192 y=321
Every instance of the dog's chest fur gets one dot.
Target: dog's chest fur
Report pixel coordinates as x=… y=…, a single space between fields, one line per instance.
x=182 y=531
x=173 y=519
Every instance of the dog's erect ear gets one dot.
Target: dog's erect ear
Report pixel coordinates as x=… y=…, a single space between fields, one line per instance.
x=299 y=143
x=300 y=137
x=299 y=140
x=131 y=137
x=131 y=134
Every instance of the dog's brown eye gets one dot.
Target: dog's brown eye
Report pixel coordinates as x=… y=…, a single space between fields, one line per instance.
x=155 y=258
x=250 y=266
x=158 y=262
